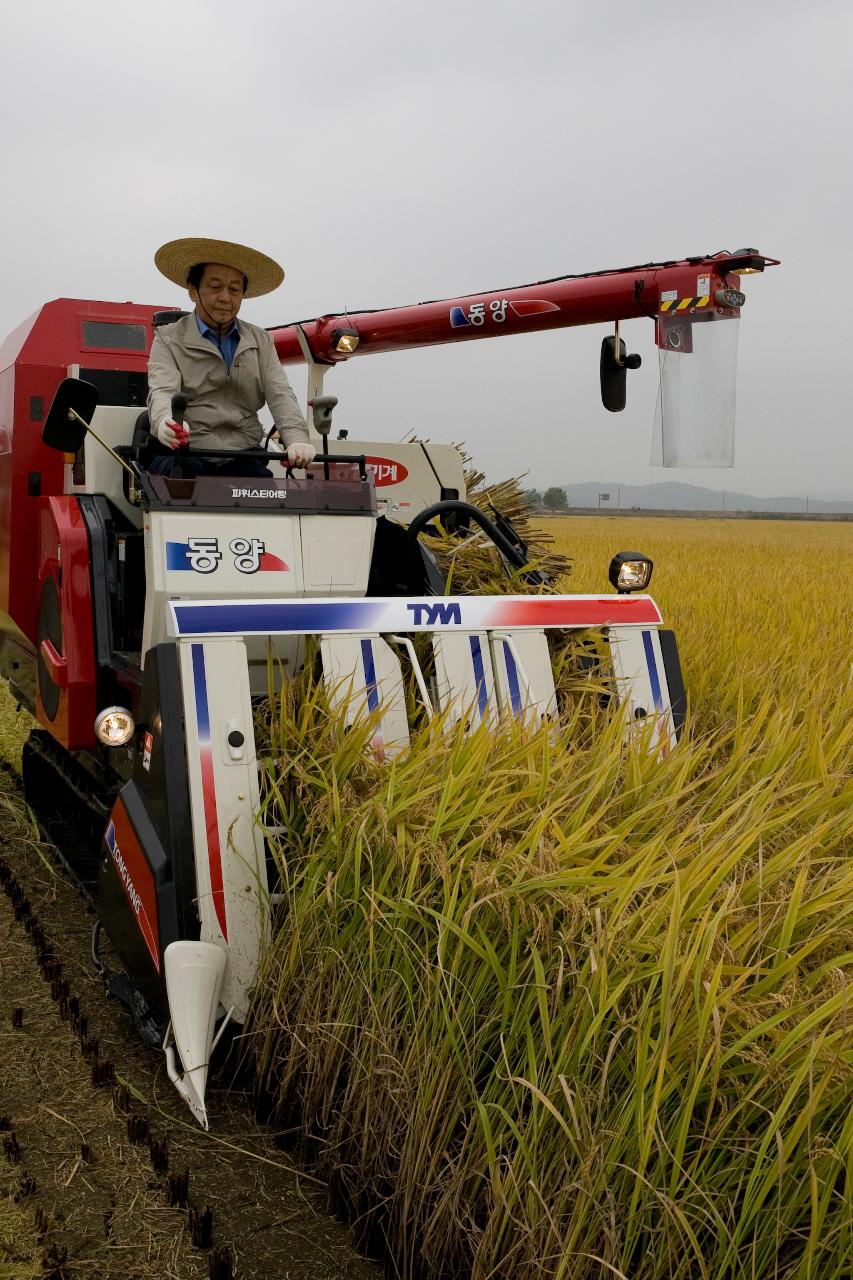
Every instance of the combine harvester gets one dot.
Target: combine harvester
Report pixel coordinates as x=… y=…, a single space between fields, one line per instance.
x=138 y=611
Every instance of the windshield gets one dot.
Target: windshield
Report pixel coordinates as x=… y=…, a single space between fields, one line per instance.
x=695 y=418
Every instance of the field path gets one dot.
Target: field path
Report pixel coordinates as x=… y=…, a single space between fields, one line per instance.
x=70 y=1169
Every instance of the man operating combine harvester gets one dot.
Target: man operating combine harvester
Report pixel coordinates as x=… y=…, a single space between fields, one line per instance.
x=138 y=611
x=226 y=368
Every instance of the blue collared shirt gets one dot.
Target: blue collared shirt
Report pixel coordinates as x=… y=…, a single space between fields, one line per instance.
x=227 y=345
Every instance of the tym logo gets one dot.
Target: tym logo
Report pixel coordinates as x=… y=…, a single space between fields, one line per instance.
x=427 y=614
x=121 y=868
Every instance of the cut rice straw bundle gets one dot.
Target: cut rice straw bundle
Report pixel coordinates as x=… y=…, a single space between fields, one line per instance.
x=474 y=565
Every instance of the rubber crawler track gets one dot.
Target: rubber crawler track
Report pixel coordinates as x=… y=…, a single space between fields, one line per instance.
x=139 y=1131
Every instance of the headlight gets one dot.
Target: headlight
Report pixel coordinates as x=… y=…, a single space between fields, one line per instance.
x=630 y=571
x=114 y=726
x=344 y=341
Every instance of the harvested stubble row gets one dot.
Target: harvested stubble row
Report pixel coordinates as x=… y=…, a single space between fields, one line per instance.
x=561 y=1010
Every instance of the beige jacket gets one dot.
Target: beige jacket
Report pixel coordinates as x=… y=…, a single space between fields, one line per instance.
x=222 y=405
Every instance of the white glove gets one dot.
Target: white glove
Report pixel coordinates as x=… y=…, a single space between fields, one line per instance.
x=300 y=453
x=173 y=434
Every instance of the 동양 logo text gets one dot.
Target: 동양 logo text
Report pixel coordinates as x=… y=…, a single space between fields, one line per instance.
x=202 y=555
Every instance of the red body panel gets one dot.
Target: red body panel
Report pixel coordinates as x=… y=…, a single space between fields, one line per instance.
x=22 y=456
x=64 y=557
x=134 y=873
x=33 y=361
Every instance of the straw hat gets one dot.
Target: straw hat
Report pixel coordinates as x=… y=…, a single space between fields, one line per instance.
x=176 y=259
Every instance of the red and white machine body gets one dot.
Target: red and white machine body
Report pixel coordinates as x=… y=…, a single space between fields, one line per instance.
x=164 y=597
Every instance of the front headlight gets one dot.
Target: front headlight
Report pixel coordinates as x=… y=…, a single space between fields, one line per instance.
x=114 y=726
x=630 y=571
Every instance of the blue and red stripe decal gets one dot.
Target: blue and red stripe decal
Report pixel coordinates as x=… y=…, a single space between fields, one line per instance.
x=657 y=693
x=512 y=679
x=467 y=613
x=565 y=611
x=651 y=664
x=480 y=677
x=208 y=787
x=369 y=675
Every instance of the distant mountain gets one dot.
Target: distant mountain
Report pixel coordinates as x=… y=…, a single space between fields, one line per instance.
x=674 y=496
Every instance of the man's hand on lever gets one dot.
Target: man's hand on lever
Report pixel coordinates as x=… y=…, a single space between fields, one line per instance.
x=174 y=435
x=300 y=453
x=172 y=432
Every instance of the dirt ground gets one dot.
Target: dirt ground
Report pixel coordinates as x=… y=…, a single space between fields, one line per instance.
x=77 y=1197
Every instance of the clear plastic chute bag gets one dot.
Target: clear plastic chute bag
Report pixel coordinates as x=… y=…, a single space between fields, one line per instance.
x=695 y=416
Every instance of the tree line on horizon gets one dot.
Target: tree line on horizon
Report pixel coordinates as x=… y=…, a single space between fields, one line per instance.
x=553 y=499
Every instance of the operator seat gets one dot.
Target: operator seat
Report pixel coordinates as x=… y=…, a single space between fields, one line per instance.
x=144 y=446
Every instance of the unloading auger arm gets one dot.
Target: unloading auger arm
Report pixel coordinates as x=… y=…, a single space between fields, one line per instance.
x=707 y=284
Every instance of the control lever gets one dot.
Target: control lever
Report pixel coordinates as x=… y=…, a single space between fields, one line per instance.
x=179 y=408
x=321 y=407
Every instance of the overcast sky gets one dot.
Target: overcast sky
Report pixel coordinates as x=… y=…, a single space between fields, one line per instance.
x=386 y=153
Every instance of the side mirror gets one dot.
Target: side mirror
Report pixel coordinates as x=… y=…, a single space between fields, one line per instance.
x=69 y=415
x=613 y=371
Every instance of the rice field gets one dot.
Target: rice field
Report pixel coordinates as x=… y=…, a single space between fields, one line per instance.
x=557 y=1009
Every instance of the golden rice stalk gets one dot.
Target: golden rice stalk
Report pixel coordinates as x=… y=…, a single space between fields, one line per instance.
x=499 y=1007
x=556 y=1010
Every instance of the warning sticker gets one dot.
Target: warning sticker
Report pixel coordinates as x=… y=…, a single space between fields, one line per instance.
x=668 y=295
x=703 y=286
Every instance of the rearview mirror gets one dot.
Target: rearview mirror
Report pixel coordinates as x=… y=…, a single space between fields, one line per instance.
x=74 y=400
x=613 y=372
